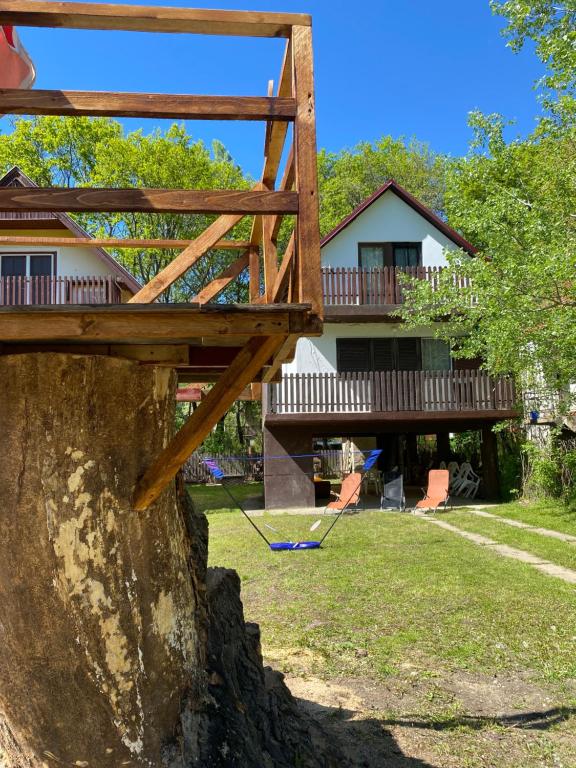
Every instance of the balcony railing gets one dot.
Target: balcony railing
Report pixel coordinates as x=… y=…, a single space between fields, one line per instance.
x=391 y=391
x=44 y=289
x=379 y=286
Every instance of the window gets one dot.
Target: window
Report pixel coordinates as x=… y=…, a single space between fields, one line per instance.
x=435 y=355
x=374 y=255
x=16 y=267
x=359 y=355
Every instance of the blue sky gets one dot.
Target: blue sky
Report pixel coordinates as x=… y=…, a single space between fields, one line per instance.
x=399 y=67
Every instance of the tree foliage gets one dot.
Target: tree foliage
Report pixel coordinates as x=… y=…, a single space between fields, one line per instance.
x=97 y=152
x=517 y=203
x=348 y=177
x=551 y=25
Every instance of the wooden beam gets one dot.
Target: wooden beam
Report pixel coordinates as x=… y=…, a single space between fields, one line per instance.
x=254 y=287
x=270 y=252
x=283 y=277
x=223 y=201
x=274 y=139
x=157 y=105
x=308 y=231
x=150 y=323
x=241 y=372
x=182 y=263
x=112 y=242
x=217 y=285
x=139 y=18
x=284 y=352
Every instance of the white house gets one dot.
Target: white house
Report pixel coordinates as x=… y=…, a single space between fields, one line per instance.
x=54 y=274
x=368 y=376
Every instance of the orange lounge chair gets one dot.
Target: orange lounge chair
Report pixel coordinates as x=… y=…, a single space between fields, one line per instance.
x=437 y=493
x=349 y=493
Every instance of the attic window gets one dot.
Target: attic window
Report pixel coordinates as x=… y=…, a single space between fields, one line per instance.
x=376 y=255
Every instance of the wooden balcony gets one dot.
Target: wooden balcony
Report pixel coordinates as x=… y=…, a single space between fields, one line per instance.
x=46 y=290
x=374 y=291
x=392 y=395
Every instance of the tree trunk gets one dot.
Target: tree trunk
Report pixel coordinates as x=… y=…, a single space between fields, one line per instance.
x=104 y=614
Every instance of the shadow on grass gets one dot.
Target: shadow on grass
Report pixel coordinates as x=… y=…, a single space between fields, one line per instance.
x=537 y=721
x=363 y=743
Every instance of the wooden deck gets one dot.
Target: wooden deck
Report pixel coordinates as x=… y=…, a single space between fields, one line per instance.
x=284 y=285
x=391 y=396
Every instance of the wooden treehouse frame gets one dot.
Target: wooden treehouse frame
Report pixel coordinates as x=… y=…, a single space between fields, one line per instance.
x=232 y=345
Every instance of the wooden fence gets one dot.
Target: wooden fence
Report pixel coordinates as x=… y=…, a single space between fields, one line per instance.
x=25 y=290
x=383 y=285
x=388 y=391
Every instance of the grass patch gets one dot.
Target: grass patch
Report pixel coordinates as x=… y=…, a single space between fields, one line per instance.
x=390 y=589
x=545 y=514
x=213 y=498
x=559 y=552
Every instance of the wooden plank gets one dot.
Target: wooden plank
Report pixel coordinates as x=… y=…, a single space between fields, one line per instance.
x=308 y=243
x=167 y=323
x=270 y=258
x=274 y=139
x=217 y=285
x=247 y=364
x=284 y=352
x=156 y=105
x=27 y=13
x=113 y=242
x=185 y=260
x=283 y=275
x=254 y=285
x=224 y=201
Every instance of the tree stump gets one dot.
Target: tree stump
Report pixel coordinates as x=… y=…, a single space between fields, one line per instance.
x=105 y=619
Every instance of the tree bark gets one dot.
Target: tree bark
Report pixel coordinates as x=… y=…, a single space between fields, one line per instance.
x=104 y=614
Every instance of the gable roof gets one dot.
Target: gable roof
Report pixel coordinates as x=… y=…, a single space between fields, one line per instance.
x=17 y=178
x=423 y=210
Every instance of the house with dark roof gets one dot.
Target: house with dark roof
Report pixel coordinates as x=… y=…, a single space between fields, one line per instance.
x=370 y=378
x=54 y=274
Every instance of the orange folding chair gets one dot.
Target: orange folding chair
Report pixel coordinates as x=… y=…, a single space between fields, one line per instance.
x=349 y=495
x=437 y=492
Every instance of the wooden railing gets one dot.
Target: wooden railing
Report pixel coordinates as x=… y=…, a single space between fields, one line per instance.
x=44 y=289
x=389 y=391
x=352 y=285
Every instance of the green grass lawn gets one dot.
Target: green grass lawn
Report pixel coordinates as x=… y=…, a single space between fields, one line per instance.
x=395 y=602
x=213 y=498
x=545 y=514
x=559 y=552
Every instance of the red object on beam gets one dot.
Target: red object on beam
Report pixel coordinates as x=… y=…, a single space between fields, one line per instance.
x=16 y=67
x=189 y=395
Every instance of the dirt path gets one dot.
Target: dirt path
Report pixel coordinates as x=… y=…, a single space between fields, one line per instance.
x=545 y=566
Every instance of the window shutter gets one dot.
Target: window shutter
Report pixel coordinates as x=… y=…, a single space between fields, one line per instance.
x=353 y=355
x=383 y=354
x=408 y=354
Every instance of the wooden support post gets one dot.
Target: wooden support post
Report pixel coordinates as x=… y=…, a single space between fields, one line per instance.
x=489 y=453
x=254 y=262
x=270 y=257
x=241 y=372
x=308 y=232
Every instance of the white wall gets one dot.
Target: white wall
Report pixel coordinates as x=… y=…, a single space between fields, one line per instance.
x=389 y=219
x=318 y=355
x=70 y=262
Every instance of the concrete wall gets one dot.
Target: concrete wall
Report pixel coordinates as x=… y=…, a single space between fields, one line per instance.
x=389 y=219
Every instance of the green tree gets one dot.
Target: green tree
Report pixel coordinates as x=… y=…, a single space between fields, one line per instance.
x=97 y=152
x=517 y=203
x=347 y=177
x=551 y=25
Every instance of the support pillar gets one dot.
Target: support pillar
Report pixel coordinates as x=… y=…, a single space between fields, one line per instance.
x=489 y=453
x=288 y=481
x=443 y=446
